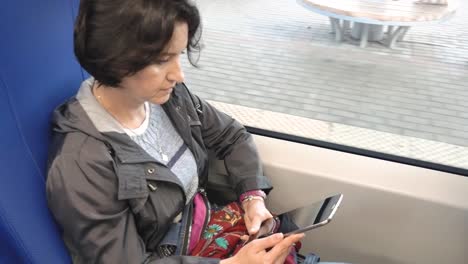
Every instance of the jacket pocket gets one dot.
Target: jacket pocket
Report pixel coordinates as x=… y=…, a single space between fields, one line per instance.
x=195 y=123
x=165 y=201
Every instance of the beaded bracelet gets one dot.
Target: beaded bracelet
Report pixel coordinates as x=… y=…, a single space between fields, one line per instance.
x=251 y=197
x=250 y=194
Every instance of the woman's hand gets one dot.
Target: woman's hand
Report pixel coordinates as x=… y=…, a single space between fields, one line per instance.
x=256 y=251
x=255 y=214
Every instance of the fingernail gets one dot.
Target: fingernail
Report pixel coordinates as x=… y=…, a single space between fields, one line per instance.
x=278 y=235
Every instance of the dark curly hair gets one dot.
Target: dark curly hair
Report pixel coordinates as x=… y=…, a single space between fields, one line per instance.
x=117 y=38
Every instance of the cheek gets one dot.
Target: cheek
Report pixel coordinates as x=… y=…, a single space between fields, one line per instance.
x=152 y=79
x=151 y=73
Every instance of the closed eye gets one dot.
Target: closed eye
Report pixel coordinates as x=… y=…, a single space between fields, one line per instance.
x=167 y=57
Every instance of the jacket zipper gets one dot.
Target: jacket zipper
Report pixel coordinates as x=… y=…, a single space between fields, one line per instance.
x=208 y=209
x=188 y=230
x=207 y=216
x=186 y=242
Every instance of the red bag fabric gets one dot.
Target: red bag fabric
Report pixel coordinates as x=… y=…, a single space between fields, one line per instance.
x=221 y=238
x=222 y=234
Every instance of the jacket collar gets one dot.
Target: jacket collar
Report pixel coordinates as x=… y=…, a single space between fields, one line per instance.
x=71 y=117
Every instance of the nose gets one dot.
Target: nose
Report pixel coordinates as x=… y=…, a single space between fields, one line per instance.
x=176 y=74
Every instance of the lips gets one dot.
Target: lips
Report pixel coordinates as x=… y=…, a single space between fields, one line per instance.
x=168 y=89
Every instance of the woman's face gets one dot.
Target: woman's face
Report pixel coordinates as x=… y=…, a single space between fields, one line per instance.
x=155 y=82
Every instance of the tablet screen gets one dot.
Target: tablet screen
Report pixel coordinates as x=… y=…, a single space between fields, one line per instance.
x=310 y=216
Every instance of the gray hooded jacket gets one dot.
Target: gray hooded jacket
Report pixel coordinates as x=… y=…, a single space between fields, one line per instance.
x=115 y=202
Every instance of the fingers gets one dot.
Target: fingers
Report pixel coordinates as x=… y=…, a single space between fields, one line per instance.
x=267 y=242
x=244 y=237
x=282 y=248
x=254 y=225
x=255 y=216
x=283 y=256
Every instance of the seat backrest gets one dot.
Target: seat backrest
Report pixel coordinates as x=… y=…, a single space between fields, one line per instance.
x=37 y=71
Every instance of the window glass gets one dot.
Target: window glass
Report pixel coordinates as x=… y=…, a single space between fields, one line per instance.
x=282 y=56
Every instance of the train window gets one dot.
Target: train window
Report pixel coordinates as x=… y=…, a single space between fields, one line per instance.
x=279 y=61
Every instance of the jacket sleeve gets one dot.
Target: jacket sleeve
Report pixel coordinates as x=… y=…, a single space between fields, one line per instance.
x=97 y=227
x=231 y=142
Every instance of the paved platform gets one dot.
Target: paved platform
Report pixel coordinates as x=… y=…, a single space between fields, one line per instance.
x=277 y=56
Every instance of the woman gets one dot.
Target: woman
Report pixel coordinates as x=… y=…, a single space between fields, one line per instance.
x=129 y=154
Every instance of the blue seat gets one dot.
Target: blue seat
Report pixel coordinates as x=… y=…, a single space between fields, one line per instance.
x=37 y=71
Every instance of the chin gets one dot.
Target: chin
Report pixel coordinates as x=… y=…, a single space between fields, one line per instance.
x=160 y=99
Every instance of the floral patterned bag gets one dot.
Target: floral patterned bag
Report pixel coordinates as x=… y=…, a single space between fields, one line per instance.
x=221 y=237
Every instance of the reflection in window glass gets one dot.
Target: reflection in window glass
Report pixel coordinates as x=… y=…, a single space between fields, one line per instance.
x=282 y=57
